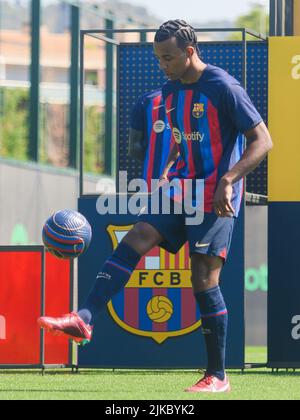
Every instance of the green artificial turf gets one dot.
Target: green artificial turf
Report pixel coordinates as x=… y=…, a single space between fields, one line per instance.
x=254 y=384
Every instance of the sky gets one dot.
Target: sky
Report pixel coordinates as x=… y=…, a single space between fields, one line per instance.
x=198 y=10
x=192 y=10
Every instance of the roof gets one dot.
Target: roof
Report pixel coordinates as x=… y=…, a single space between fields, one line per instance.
x=55 y=49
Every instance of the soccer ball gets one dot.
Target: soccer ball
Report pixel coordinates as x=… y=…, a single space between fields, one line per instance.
x=67 y=234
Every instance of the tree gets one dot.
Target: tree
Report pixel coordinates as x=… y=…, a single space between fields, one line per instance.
x=14 y=123
x=94 y=140
x=256 y=19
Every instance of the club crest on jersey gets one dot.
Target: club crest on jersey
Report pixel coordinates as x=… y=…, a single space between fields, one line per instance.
x=198 y=110
x=158 y=301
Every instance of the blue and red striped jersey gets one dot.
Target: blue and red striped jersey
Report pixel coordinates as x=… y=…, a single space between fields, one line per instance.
x=149 y=116
x=207 y=120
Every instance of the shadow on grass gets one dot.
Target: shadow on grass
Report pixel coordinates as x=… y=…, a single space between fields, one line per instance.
x=126 y=372
x=280 y=373
x=98 y=372
x=37 y=372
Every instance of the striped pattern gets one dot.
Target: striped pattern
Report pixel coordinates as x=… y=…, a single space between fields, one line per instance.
x=131 y=303
x=180 y=261
x=152 y=115
x=67 y=234
x=158 y=143
x=63 y=239
x=210 y=158
x=131 y=307
x=215 y=314
x=120 y=267
x=62 y=246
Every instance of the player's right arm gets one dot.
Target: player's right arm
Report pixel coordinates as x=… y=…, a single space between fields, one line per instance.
x=137 y=148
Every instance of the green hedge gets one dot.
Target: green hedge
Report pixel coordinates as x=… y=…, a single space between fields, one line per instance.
x=14 y=134
x=14 y=130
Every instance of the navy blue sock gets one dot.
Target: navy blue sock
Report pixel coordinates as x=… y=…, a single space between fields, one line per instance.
x=214 y=327
x=113 y=277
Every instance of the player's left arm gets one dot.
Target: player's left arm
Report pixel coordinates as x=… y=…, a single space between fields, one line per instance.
x=259 y=143
x=238 y=107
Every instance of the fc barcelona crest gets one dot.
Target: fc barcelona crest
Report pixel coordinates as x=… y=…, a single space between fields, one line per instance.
x=198 y=110
x=158 y=301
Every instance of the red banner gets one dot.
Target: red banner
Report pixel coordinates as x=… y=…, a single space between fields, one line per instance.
x=20 y=306
x=57 y=303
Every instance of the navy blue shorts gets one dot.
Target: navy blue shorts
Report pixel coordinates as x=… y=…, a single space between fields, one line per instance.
x=212 y=237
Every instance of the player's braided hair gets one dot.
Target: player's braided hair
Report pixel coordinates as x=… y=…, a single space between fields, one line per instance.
x=182 y=31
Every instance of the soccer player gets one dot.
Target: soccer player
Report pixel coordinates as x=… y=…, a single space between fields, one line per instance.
x=150 y=136
x=206 y=109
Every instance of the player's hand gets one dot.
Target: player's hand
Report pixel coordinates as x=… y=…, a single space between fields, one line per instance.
x=222 y=200
x=160 y=183
x=163 y=180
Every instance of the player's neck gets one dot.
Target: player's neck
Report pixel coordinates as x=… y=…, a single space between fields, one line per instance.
x=194 y=73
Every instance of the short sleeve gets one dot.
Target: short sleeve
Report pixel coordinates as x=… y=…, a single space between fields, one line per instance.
x=240 y=109
x=137 y=121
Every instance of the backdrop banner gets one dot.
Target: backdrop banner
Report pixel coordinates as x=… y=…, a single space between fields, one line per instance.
x=284 y=205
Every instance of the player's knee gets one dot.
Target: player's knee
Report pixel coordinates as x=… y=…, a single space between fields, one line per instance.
x=199 y=281
x=205 y=272
x=143 y=237
x=146 y=233
x=202 y=284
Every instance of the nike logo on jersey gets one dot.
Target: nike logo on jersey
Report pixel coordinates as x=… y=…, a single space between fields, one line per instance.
x=199 y=245
x=170 y=110
x=157 y=107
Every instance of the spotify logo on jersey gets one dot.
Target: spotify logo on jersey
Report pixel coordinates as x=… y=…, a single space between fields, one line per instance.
x=194 y=136
x=159 y=126
x=177 y=135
